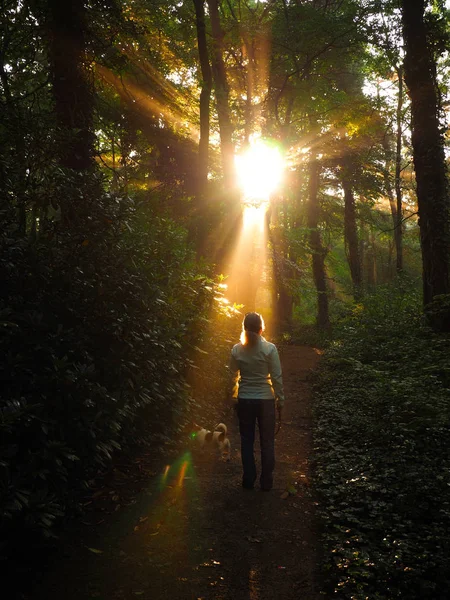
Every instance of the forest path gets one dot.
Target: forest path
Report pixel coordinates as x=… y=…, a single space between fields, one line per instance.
x=192 y=533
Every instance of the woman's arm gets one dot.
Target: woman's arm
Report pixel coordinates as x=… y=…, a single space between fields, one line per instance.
x=232 y=392
x=276 y=376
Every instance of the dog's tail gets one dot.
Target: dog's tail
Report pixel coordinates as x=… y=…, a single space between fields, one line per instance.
x=221 y=427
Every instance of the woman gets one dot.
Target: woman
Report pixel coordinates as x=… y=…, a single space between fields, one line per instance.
x=255 y=365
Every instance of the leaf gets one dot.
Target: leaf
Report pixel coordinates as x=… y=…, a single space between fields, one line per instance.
x=200 y=350
x=292 y=490
x=95 y=550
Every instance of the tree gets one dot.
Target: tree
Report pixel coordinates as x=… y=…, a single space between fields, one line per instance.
x=73 y=97
x=72 y=89
x=429 y=159
x=398 y=220
x=205 y=95
x=347 y=173
x=386 y=44
x=315 y=243
x=221 y=89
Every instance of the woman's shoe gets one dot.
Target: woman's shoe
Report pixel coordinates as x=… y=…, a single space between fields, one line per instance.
x=247 y=485
x=266 y=485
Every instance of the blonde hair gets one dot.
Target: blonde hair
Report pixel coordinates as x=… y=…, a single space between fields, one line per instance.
x=252 y=327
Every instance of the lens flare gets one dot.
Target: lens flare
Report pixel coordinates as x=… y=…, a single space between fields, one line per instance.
x=182 y=473
x=259 y=171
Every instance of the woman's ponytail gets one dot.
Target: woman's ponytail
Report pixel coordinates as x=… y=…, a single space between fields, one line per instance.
x=252 y=327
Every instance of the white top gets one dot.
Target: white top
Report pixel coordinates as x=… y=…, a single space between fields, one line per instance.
x=259 y=370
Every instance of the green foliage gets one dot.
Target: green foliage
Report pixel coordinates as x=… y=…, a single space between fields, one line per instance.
x=96 y=326
x=382 y=442
x=209 y=376
x=437 y=312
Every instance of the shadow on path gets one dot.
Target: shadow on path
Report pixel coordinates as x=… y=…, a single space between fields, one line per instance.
x=193 y=533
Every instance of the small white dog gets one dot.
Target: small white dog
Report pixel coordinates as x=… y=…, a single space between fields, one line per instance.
x=221 y=439
x=216 y=439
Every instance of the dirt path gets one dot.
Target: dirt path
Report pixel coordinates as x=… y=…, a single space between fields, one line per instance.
x=192 y=533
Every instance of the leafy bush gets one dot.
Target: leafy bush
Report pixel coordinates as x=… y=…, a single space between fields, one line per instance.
x=438 y=312
x=97 y=326
x=383 y=452
x=209 y=376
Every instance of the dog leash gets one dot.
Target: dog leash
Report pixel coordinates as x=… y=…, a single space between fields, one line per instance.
x=279 y=424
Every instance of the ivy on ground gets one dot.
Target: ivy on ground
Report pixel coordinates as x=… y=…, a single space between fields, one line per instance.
x=383 y=453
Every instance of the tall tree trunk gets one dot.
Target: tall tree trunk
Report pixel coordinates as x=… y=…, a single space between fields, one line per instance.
x=351 y=237
x=249 y=70
x=371 y=260
x=200 y=218
x=428 y=151
x=394 y=202
x=72 y=93
x=222 y=93
x=387 y=181
x=72 y=90
x=282 y=300
x=315 y=244
x=398 y=170
x=205 y=95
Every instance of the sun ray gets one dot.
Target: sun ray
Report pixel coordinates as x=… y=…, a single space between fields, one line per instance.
x=130 y=91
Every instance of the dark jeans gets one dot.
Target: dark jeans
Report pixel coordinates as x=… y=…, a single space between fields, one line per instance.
x=263 y=411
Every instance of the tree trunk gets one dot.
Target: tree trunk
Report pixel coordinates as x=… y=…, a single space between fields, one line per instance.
x=398 y=169
x=351 y=238
x=428 y=152
x=73 y=98
x=387 y=181
x=205 y=95
x=282 y=300
x=72 y=90
x=222 y=93
x=371 y=261
x=285 y=303
x=394 y=202
x=315 y=244
x=249 y=70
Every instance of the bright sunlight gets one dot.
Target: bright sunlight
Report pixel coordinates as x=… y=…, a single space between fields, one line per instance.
x=259 y=171
x=255 y=216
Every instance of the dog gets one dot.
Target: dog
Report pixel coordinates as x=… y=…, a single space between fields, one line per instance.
x=212 y=440
x=221 y=440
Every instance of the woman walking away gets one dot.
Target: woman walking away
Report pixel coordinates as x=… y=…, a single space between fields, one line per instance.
x=255 y=365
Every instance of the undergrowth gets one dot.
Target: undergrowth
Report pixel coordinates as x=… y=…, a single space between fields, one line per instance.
x=101 y=327
x=383 y=453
